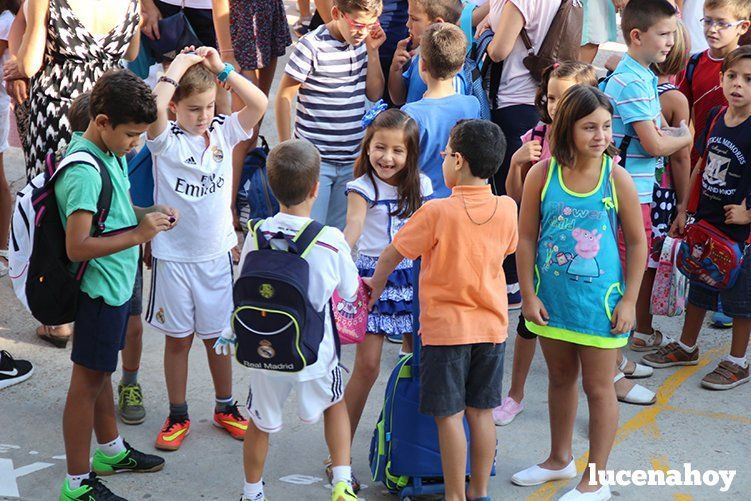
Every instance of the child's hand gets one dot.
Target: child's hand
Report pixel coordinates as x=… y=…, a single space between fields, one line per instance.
x=612 y=62
x=534 y=311
x=624 y=317
x=225 y=342
x=147 y=255
x=482 y=26
x=402 y=56
x=211 y=59
x=678 y=228
x=187 y=58
x=151 y=224
x=376 y=289
x=681 y=131
x=375 y=38
x=172 y=213
x=737 y=214
x=530 y=152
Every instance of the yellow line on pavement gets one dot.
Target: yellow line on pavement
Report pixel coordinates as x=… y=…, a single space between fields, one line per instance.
x=645 y=420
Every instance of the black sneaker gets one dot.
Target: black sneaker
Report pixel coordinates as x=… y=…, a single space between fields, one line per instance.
x=13 y=371
x=128 y=460
x=92 y=489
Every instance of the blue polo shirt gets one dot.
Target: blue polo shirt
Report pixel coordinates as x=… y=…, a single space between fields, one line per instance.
x=416 y=86
x=632 y=90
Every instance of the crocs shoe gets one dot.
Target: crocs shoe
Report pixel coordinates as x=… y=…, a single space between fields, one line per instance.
x=232 y=422
x=507 y=411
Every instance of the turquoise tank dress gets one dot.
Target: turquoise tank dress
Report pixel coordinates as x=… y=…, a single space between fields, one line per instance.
x=578 y=275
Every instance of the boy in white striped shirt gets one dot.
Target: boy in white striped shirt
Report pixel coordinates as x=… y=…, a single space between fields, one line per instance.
x=332 y=70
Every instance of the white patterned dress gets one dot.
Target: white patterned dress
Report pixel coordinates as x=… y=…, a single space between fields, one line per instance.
x=74 y=59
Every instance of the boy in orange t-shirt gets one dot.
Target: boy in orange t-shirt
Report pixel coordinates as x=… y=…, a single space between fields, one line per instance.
x=462 y=241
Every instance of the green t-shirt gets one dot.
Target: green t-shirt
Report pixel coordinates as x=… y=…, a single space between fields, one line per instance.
x=109 y=277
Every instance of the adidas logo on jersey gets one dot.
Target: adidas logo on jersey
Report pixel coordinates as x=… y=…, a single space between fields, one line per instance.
x=191 y=161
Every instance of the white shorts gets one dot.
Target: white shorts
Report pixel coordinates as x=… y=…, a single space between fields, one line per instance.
x=268 y=392
x=191 y=297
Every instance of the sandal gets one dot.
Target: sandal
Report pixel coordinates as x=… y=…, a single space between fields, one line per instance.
x=330 y=475
x=640 y=371
x=638 y=395
x=649 y=342
x=47 y=333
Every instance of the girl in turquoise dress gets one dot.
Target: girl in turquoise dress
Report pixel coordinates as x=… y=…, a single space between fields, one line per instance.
x=576 y=298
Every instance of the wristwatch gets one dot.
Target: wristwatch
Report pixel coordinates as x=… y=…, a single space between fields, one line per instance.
x=224 y=75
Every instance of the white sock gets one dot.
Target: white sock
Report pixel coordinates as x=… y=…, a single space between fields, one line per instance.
x=341 y=474
x=742 y=362
x=112 y=448
x=74 y=481
x=253 y=491
x=689 y=349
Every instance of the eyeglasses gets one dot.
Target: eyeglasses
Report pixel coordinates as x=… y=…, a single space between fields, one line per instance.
x=360 y=26
x=445 y=154
x=708 y=22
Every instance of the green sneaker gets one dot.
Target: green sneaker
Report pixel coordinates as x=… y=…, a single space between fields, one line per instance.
x=128 y=460
x=92 y=489
x=130 y=404
x=343 y=492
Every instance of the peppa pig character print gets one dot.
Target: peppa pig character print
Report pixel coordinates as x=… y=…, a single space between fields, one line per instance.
x=584 y=263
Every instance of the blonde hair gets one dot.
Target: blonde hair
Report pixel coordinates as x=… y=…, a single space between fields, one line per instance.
x=678 y=56
x=196 y=79
x=740 y=8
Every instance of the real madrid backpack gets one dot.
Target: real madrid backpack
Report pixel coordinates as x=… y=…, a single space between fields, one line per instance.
x=276 y=326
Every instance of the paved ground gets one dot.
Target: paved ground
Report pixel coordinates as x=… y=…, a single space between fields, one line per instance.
x=710 y=430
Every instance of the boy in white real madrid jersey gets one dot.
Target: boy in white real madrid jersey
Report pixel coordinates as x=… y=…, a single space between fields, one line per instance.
x=293 y=170
x=191 y=281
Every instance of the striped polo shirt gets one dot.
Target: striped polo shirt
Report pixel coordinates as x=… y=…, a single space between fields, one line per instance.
x=331 y=100
x=632 y=90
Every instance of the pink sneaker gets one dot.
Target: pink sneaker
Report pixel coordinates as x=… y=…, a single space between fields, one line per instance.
x=507 y=411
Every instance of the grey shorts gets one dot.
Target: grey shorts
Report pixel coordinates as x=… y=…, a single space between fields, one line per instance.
x=453 y=378
x=136 y=300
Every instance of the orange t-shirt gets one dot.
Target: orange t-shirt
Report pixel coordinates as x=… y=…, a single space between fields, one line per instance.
x=462 y=285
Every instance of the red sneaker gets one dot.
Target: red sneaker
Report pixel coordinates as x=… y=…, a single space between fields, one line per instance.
x=171 y=437
x=232 y=421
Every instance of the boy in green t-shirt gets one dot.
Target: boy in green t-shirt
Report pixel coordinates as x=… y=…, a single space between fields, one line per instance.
x=122 y=107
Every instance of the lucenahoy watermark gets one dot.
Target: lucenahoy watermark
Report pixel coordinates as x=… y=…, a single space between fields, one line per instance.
x=640 y=478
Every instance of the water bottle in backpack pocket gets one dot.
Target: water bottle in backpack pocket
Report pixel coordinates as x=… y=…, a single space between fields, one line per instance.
x=277 y=327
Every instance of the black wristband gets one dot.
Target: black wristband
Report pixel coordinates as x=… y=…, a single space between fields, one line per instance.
x=169 y=81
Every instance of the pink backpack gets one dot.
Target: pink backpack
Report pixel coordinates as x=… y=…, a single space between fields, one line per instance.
x=670 y=286
x=352 y=318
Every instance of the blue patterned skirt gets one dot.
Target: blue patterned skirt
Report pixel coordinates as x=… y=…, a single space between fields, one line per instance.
x=392 y=313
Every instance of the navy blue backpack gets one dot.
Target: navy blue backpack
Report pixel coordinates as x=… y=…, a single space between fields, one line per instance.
x=404 y=451
x=277 y=327
x=254 y=197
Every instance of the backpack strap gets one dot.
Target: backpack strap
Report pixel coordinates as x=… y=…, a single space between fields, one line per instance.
x=104 y=201
x=540 y=134
x=306 y=237
x=693 y=61
x=254 y=227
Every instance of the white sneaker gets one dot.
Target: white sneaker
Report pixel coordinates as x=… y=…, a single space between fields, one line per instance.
x=601 y=494
x=536 y=475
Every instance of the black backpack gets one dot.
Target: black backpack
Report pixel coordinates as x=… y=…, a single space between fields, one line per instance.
x=277 y=327
x=44 y=281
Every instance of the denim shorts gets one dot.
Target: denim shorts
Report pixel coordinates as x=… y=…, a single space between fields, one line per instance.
x=736 y=301
x=98 y=333
x=453 y=378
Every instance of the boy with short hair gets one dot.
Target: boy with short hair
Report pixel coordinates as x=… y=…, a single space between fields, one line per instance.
x=121 y=108
x=404 y=80
x=463 y=320
x=293 y=170
x=649 y=28
x=191 y=277
x=724 y=22
x=332 y=70
x=725 y=186
x=443 y=47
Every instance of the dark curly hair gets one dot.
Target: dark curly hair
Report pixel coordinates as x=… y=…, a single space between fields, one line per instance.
x=123 y=98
